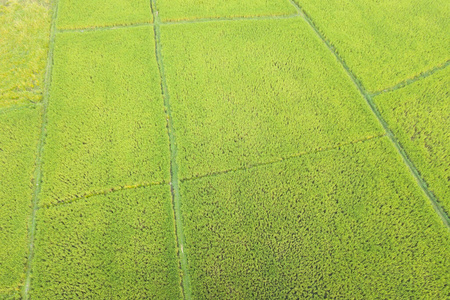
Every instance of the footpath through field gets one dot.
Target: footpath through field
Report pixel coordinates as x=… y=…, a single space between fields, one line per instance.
x=213 y=149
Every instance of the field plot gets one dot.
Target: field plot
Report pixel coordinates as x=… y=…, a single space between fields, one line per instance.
x=347 y=223
x=24 y=38
x=385 y=42
x=106 y=123
x=253 y=91
x=19 y=136
x=75 y=14
x=113 y=246
x=175 y=10
x=419 y=115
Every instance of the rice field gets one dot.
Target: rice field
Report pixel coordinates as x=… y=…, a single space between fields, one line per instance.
x=187 y=149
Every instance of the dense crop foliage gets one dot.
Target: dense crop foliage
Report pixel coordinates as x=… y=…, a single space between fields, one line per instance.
x=24 y=37
x=384 y=41
x=350 y=223
x=114 y=246
x=206 y=158
x=419 y=115
x=171 y=10
x=254 y=91
x=106 y=123
x=98 y=13
x=19 y=132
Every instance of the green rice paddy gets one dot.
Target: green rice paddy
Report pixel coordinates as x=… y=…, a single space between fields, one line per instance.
x=211 y=149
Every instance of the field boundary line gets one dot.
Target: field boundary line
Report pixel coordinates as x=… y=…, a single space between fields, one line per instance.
x=105 y=28
x=38 y=169
x=89 y=194
x=413 y=170
x=286 y=158
x=14 y=107
x=412 y=80
x=174 y=181
x=205 y=20
x=225 y=19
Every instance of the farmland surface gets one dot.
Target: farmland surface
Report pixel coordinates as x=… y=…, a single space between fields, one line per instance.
x=187 y=149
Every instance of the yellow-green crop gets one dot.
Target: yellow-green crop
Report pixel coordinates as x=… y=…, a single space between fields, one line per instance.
x=113 y=246
x=224 y=149
x=349 y=223
x=174 y=10
x=247 y=92
x=106 y=122
x=100 y=13
x=19 y=134
x=385 y=42
x=24 y=39
x=419 y=115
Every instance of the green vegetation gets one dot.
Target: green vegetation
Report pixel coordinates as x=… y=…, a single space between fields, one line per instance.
x=24 y=38
x=346 y=223
x=175 y=10
x=19 y=133
x=385 y=42
x=201 y=157
x=419 y=115
x=106 y=120
x=114 y=246
x=246 y=92
x=75 y=14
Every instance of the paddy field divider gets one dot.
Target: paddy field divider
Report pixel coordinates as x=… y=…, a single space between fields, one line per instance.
x=38 y=165
x=174 y=180
x=409 y=81
x=413 y=170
